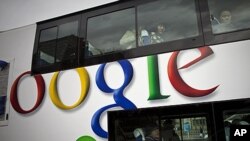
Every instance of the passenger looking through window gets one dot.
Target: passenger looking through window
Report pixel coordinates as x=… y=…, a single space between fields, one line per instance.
x=225 y=17
x=164 y=23
x=229 y=15
x=111 y=32
x=154 y=37
x=225 y=23
x=158 y=36
x=168 y=132
x=152 y=134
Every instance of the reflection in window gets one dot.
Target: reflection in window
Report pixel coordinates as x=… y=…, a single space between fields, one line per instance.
x=166 y=20
x=137 y=129
x=194 y=128
x=111 y=32
x=229 y=15
x=183 y=129
x=57 y=44
x=46 y=47
x=168 y=129
x=67 y=41
x=235 y=118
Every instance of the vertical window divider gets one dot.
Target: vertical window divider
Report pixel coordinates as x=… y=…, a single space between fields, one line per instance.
x=205 y=22
x=82 y=39
x=55 y=53
x=136 y=28
x=200 y=20
x=79 y=43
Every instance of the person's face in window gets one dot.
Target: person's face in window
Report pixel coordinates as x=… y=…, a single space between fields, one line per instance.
x=155 y=134
x=161 y=28
x=225 y=17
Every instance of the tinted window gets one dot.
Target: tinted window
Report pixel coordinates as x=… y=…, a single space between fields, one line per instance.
x=229 y=15
x=194 y=128
x=171 y=129
x=57 y=44
x=182 y=129
x=166 y=20
x=235 y=118
x=111 y=32
x=137 y=128
x=67 y=41
x=46 y=47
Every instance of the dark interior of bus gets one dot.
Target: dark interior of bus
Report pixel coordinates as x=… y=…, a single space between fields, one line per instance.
x=209 y=121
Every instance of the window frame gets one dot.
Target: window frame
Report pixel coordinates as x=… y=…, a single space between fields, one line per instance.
x=109 y=57
x=234 y=106
x=227 y=37
x=205 y=37
x=164 y=112
x=138 y=51
x=213 y=111
x=56 y=66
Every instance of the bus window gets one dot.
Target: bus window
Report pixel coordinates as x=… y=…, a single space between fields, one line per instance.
x=137 y=128
x=112 y=32
x=235 y=118
x=185 y=129
x=166 y=20
x=46 y=47
x=57 y=44
x=229 y=15
x=171 y=130
x=67 y=41
x=195 y=128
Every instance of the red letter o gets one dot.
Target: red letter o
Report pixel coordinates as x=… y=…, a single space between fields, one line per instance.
x=40 y=89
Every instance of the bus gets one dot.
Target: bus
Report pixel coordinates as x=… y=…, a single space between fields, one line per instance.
x=133 y=70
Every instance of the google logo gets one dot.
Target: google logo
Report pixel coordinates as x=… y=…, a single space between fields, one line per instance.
x=118 y=94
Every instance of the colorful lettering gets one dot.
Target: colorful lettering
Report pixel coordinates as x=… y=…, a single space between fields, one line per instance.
x=153 y=79
x=40 y=89
x=178 y=83
x=84 y=78
x=120 y=100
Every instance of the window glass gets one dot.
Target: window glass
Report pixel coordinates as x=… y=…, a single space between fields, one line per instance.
x=46 y=47
x=171 y=130
x=229 y=15
x=67 y=41
x=166 y=20
x=184 y=129
x=48 y=34
x=194 y=128
x=57 y=44
x=68 y=29
x=137 y=129
x=235 y=118
x=111 y=32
